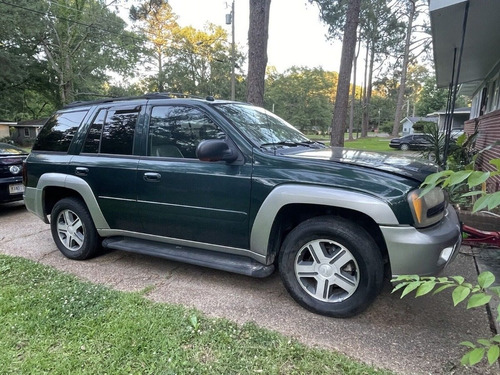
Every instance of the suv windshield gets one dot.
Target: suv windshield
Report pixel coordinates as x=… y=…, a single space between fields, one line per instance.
x=262 y=127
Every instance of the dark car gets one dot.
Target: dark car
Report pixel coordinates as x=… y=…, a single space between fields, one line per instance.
x=231 y=186
x=412 y=142
x=11 y=176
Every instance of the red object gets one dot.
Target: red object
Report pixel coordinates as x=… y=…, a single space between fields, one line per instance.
x=476 y=237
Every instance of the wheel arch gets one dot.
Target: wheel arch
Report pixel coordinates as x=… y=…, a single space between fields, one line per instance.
x=288 y=206
x=56 y=186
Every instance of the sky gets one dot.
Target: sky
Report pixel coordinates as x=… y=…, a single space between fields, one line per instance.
x=297 y=36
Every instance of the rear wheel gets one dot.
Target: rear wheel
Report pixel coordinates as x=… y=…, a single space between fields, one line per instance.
x=404 y=147
x=73 y=230
x=331 y=266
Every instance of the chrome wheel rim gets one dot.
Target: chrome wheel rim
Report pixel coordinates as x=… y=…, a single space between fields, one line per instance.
x=70 y=230
x=327 y=271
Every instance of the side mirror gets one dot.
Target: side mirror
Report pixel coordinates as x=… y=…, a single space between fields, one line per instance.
x=215 y=150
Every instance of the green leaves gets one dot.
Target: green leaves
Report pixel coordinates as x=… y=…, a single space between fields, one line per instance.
x=478 y=300
x=493 y=353
x=476 y=353
x=475 y=295
x=474 y=180
x=485 y=279
x=489 y=201
x=459 y=294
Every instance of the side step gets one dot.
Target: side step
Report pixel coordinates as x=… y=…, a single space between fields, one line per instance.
x=205 y=258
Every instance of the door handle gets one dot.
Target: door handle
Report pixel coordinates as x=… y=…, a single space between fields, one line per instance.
x=152 y=177
x=81 y=171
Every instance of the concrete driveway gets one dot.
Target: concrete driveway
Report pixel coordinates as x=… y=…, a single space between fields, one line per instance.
x=408 y=336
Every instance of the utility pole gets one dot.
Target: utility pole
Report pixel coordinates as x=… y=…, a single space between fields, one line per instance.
x=230 y=20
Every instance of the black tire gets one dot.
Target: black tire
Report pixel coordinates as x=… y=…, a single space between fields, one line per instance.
x=73 y=230
x=404 y=147
x=340 y=254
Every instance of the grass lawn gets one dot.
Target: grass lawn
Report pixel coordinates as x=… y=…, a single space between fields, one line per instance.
x=53 y=323
x=371 y=143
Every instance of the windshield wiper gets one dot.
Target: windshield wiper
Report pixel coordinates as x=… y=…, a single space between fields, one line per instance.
x=310 y=144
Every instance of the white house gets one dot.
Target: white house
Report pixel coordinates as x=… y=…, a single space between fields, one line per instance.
x=5 y=128
x=408 y=122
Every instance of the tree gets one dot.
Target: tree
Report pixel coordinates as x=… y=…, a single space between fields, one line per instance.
x=26 y=90
x=59 y=51
x=342 y=97
x=303 y=97
x=201 y=63
x=258 y=32
x=381 y=32
x=159 y=23
x=82 y=41
x=412 y=11
x=431 y=98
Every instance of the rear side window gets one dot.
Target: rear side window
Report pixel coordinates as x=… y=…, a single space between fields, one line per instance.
x=58 y=132
x=112 y=132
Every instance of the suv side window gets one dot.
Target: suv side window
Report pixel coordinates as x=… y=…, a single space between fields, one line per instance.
x=112 y=131
x=176 y=131
x=93 y=141
x=58 y=132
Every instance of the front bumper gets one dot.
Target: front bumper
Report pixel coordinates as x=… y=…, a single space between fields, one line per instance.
x=426 y=251
x=5 y=194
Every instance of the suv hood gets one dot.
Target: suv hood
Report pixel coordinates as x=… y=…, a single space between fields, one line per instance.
x=416 y=169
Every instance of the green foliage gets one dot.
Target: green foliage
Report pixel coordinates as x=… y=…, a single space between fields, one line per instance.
x=436 y=151
x=431 y=99
x=475 y=182
x=200 y=63
x=303 y=97
x=476 y=295
x=421 y=126
x=52 y=323
x=56 y=52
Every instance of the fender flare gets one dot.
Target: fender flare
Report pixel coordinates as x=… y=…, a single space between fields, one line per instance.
x=81 y=187
x=284 y=195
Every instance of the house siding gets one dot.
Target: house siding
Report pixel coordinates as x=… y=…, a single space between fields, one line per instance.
x=489 y=133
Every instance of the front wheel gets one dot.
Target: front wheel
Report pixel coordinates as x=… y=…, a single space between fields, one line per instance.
x=404 y=147
x=73 y=230
x=331 y=266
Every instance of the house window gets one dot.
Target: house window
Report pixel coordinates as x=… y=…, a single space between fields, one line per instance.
x=495 y=103
x=27 y=132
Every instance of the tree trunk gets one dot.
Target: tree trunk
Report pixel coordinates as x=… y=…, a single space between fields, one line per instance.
x=364 y=107
x=161 y=87
x=353 y=92
x=258 y=33
x=406 y=57
x=342 y=98
x=368 y=97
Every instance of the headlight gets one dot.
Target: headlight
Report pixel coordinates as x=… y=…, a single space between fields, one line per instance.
x=429 y=209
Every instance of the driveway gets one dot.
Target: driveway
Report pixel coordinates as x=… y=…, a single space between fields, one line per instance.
x=408 y=336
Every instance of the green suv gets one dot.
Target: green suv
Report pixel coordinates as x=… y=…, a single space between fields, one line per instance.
x=231 y=186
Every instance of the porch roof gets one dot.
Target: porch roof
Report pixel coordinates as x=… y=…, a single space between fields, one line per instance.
x=482 y=40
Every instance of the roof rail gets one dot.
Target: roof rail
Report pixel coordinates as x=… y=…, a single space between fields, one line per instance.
x=152 y=95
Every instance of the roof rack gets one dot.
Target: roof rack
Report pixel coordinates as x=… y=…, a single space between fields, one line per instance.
x=152 y=95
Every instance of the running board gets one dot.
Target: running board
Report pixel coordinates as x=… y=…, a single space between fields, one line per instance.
x=205 y=258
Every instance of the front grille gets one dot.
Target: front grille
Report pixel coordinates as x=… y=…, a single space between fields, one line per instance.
x=5 y=165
